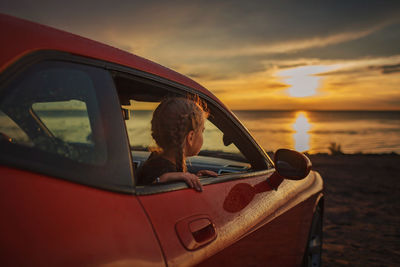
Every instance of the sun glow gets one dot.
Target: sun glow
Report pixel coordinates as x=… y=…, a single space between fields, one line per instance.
x=301 y=136
x=303 y=81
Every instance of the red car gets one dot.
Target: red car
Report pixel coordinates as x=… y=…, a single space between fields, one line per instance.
x=74 y=119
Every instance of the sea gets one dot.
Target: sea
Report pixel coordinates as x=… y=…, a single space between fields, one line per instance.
x=306 y=131
x=314 y=132
x=318 y=131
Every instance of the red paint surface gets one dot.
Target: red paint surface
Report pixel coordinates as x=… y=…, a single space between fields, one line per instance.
x=243 y=193
x=236 y=208
x=281 y=242
x=50 y=222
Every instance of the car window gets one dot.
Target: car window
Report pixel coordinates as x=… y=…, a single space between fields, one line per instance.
x=60 y=116
x=139 y=129
x=214 y=155
x=54 y=108
x=213 y=141
x=66 y=120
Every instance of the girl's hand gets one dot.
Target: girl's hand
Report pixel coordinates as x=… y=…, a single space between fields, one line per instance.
x=189 y=178
x=206 y=173
x=193 y=181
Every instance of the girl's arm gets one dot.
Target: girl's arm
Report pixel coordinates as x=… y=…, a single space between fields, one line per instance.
x=189 y=178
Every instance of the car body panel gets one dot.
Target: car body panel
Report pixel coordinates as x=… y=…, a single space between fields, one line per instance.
x=236 y=208
x=279 y=243
x=51 y=222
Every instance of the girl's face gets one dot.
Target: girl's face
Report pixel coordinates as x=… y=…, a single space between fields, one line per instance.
x=195 y=141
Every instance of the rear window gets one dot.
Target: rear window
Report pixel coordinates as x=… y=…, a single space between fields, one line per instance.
x=54 y=108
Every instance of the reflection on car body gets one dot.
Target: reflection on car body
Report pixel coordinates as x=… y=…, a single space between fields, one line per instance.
x=68 y=158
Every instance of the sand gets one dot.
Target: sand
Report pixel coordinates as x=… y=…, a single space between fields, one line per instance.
x=362 y=209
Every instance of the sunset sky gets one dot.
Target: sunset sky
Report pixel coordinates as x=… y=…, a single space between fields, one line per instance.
x=308 y=55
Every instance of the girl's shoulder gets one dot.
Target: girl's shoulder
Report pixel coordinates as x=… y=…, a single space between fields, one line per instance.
x=156 y=160
x=154 y=167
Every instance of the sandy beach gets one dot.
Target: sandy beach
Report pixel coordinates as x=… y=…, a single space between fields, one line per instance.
x=362 y=209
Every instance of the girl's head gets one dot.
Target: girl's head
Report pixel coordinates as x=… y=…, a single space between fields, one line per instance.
x=177 y=126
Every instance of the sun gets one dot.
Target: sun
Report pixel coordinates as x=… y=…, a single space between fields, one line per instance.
x=303 y=81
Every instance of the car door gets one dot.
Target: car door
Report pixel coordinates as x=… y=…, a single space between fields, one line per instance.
x=245 y=198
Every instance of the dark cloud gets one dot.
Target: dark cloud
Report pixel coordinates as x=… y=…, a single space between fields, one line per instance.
x=207 y=76
x=363 y=70
x=388 y=69
x=213 y=23
x=276 y=85
x=290 y=66
x=345 y=71
x=215 y=69
x=277 y=21
x=382 y=43
x=390 y=101
x=393 y=102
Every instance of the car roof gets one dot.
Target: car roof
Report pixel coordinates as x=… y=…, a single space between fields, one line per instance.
x=20 y=37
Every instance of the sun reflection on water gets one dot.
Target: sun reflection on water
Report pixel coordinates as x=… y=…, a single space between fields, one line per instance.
x=301 y=136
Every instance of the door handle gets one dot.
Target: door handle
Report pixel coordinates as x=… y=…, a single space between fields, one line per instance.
x=195 y=231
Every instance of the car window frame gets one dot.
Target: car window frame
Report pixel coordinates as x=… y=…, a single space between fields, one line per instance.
x=116 y=173
x=232 y=122
x=183 y=90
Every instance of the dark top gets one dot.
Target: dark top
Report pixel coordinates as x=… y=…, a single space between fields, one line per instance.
x=154 y=167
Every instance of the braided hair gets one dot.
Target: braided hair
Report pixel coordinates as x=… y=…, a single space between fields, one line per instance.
x=172 y=120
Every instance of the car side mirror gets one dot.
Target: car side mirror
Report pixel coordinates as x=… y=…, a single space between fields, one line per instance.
x=291 y=164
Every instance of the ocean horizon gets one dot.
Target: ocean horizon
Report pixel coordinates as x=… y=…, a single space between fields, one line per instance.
x=367 y=132
x=313 y=131
x=375 y=132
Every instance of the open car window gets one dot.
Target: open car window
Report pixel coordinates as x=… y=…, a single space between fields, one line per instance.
x=214 y=155
x=227 y=149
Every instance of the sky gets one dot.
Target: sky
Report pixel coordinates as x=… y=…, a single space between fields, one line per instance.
x=279 y=55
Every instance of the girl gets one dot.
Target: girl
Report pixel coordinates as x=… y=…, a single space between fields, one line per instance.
x=177 y=127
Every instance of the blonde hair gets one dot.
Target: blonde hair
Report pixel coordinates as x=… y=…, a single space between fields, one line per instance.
x=172 y=120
